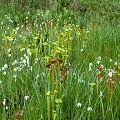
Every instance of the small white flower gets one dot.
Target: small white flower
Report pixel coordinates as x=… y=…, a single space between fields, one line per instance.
x=43 y=74
x=6 y=107
x=110 y=74
x=98 y=62
x=99 y=58
x=17 y=28
x=15 y=62
x=111 y=60
x=22 y=49
x=9 y=55
x=0 y=82
x=36 y=60
x=14 y=76
x=4 y=73
x=1 y=23
x=15 y=69
x=90 y=66
x=9 y=50
x=11 y=21
x=81 y=50
x=115 y=63
x=26 y=97
x=30 y=68
x=79 y=105
x=102 y=66
x=30 y=53
x=5 y=66
x=24 y=61
x=101 y=94
x=26 y=17
x=89 y=109
x=4 y=101
x=81 y=81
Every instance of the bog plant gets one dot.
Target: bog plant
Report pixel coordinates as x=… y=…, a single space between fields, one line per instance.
x=59 y=62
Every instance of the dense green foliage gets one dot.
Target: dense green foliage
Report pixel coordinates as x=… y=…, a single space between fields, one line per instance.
x=60 y=59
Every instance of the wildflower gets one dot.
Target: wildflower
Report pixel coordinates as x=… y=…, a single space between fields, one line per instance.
x=17 y=28
x=81 y=81
x=26 y=97
x=14 y=76
x=79 y=105
x=24 y=61
x=30 y=68
x=6 y=107
x=9 y=55
x=89 y=109
x=110 y=74
x=36 y=60
x=0 y=82
x=4 y=101
x=9 y=50
x=1 y=23
x=11 y=21
x=101 y=94
x=26 y=17
x=15 y=62
x=111 y=60
x=102 y=66
x=15 y=69
x=4 y=67
x=90 y=66
x=81 y=50
x=30 y=53
x=42 y=74
x=99 y=58
x=4 y=73
x=115 y=63
x=98 y=62
x=22 y=49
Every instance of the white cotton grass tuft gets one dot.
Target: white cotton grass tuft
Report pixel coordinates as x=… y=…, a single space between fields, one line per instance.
x=89 y=109
x=79 y=105
x=110 y=74
x=26 y=97
x=90 y=66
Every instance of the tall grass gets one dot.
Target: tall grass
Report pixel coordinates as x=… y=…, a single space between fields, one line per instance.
x=59 y=60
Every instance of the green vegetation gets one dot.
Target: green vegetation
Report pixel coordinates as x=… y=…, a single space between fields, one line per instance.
x=60 y=59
